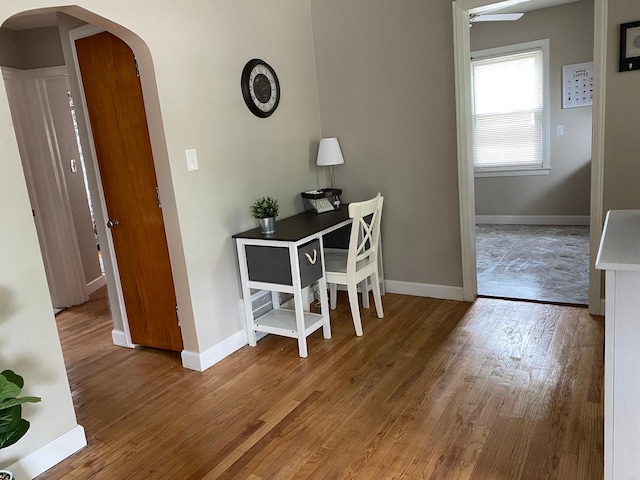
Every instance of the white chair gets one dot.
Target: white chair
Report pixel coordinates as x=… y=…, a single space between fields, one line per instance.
x=360 y=262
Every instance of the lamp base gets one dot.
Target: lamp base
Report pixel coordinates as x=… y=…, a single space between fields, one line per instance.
x=331 y=176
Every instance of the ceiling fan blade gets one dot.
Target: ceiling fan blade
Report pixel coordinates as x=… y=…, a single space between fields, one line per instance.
x=496 y=17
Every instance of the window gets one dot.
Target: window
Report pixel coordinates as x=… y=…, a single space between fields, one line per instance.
x=510 y=109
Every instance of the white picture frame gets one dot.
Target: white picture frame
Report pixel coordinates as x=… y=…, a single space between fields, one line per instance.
x=577 y=85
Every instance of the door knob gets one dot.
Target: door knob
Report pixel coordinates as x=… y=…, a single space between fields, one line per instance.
x=113 y=223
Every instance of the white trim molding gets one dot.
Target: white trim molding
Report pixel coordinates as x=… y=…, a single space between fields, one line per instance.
x=200 y=361
x=600 y=32
x=96 y=284
x=512 y=172
x=49 y=455
x=462 y=55
x=466 y=188
x=444 y=292
x=120 y=339
x=533 y=219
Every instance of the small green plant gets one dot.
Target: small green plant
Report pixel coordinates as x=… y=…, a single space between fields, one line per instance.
x=12 y=425
x=265 y=207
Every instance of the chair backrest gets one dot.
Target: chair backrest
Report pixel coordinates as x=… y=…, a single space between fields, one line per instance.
x=365 y=231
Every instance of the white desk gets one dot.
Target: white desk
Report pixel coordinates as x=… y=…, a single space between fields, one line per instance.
x=288 y=261
x=619 y=255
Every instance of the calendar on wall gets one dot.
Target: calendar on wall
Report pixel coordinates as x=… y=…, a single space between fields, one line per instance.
x=577 y=85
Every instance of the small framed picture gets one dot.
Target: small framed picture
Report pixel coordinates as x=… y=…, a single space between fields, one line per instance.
x=629 y=47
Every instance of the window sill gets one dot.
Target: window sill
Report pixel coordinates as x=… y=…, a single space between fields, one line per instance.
x=515 y=172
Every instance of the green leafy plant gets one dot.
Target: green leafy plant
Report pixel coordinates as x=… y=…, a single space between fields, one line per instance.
x=12 y=425
x=265 y=207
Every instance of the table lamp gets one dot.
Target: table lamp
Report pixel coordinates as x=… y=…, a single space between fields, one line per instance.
x=329 y=154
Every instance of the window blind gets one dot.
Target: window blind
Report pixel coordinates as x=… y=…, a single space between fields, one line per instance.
x=508 y=108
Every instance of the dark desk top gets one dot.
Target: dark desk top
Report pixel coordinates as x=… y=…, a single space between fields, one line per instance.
x=302 y=225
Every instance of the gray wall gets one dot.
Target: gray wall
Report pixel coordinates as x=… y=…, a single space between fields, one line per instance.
x=622 y=130
x=40 y=47
x=386 y=89
x=9 y=54
x=566 y=190
x=33 y=48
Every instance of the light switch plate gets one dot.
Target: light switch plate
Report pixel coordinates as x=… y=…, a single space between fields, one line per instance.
x=192 y=159
x=559 y=130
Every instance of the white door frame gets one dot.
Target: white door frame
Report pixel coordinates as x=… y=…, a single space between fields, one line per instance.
x=462 y=55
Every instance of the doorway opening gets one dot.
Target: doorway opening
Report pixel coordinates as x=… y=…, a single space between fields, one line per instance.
x=54 y=27
x=531 y=153
x=462 y=9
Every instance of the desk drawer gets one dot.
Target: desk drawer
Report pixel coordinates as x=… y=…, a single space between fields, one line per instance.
x=310 y=261
x=272 y=265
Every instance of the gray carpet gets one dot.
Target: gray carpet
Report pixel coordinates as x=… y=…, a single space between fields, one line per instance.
x=534 y=262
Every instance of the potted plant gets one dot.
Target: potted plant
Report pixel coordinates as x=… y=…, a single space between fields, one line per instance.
x=12 y=425
x=266 y=209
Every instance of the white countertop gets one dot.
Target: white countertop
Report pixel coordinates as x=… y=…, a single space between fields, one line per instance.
x=620 y=242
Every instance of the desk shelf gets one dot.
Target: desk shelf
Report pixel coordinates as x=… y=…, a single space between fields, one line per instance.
x=281 y=321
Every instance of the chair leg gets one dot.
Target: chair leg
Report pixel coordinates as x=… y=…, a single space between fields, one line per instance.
x=333 y=295
x=352 y=289
x=364 y=286
x=377 y=298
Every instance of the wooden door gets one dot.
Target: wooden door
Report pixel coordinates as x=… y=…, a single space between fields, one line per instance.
x=119 y=126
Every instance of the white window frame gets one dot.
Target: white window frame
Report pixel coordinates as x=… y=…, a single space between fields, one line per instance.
x=545 y=167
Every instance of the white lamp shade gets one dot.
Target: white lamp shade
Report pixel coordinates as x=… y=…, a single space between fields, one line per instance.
x=329 y=153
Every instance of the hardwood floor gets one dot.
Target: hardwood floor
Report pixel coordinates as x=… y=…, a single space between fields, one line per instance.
x=436 y=390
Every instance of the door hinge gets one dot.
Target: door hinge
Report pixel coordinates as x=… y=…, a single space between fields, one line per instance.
x=178 y=315
x=158 y=197
x=135 y=63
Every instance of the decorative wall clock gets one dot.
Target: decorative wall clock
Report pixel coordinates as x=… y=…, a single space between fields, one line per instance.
x=260 y=88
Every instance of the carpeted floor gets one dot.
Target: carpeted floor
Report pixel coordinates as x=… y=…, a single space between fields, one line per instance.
x=534 y=262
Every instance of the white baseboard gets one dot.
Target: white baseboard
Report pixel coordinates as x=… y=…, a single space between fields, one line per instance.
x=94 y=285
x=533 y=219
x=119 y=338
x=201 y=361
x=51 y=454
x=444 y=292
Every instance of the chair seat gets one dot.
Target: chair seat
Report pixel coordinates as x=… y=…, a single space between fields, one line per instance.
x=335 y=261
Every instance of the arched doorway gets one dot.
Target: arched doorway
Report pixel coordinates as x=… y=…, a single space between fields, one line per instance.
x=65 y=22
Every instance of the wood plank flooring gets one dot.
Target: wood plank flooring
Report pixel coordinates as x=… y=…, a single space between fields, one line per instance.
x=435 y=390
